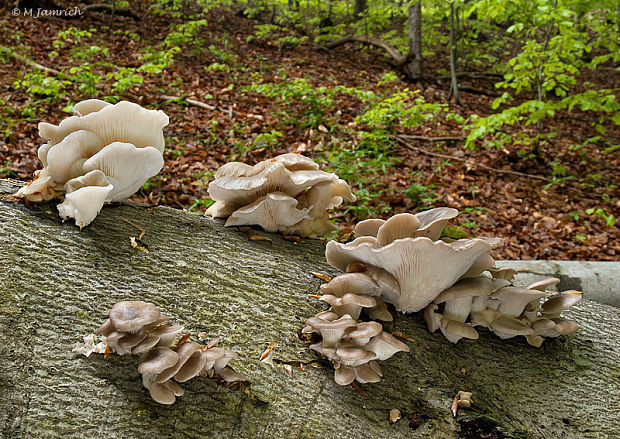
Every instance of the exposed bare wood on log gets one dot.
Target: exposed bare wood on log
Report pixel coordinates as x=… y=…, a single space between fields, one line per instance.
x=57 y=283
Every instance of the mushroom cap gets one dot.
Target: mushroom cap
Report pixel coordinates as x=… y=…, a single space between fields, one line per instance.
x=543 y=284
x=423 y=268
x=185 y=352
x=403 y=225
x=123 y=122
x=230 y=375
x=355 y=283
x=389 y=289
x=545 y=327
x=191 y=367
x=364 y=373
x=165 y=393
x=368 y=227
x=385 y=345
x=84 y=204
x=503 y=273
x=344 y=375
x=433 y=221
x=380 y=311
x=561 y=302
x=511 y=327
x=514 y=300
x=484 y=263
x=89 y=106
x=126 y=167
x=243 y=186
x=271 y=212
x=132 y=315
x=365 y=330
x=566 y=327
x=158 y=360
x=145 y=345
x=353 y=355
x=454 y=330
x=349 y=299
x=469 y=287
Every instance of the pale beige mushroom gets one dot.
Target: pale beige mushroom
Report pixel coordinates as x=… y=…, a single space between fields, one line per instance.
x=553 y=306
x=355 y=283
x=385 y=345
x=351 y=304
x=273 y=212
x=245 y=194
x=422 y=267
x=433 y=221
x=403 y=225
x=454 y=331
x=513 y=300
x=123 y=143
x=505 y=327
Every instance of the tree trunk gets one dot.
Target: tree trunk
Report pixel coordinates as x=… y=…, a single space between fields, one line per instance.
x=454 y=87
x=414 y=66
x=58 y=283
x=359 y=7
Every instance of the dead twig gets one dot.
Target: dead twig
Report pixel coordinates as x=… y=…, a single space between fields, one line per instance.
x=401 y=139
x=204 y=106
x=28 y=61
x=142 y=231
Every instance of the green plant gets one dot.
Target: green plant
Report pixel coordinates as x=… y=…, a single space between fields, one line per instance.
x=125 y=78
x=421 y=195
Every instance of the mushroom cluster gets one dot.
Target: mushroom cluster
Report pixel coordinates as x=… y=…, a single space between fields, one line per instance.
x=491 y=302
x=139 y=328
x=286 y=194
x=353 y=346
x=405 y=256
x=456 y=282
x=101 y=154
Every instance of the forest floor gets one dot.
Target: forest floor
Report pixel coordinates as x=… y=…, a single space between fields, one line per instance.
x=541 y=214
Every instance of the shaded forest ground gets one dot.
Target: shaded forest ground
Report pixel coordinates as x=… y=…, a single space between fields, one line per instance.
x=538 y=220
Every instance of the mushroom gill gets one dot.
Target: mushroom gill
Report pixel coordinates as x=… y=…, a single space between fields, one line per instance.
x=139 y=328
x=104 y=153
x=286 y=194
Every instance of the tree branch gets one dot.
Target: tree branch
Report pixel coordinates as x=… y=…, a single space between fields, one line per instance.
x=29 y=62
x=391 y=50
x=101 y=7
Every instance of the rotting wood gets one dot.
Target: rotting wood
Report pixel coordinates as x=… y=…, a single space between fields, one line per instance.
x=58 y=283
x=28 y=61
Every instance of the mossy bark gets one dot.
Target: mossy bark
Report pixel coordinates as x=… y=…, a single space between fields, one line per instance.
x=57 y=284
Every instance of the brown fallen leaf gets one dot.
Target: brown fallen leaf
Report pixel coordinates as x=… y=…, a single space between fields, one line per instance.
x=294 y=239
x=245 y=229
x=403 y=336
x=395 y=415
x=259 y=238
x=183 y=339
x=266 y=356
x=322 y=276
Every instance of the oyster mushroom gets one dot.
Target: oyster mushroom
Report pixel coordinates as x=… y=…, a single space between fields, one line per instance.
x=422 y=267
x=122 y=142
x=287 y=193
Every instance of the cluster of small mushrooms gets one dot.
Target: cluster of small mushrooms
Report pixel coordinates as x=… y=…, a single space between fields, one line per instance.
x=139 y=328
x=286 y=194
x=353 y=346
x=104 y=153
x=455 y=281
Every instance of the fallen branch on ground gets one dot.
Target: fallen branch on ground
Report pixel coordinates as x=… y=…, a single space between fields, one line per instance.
x=103 y=7
x=199 y=104
x=28 y=61
x=401 y=139
x=391 y=50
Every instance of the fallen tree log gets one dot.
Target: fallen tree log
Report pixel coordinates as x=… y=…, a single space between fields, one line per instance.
x=57 y=284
